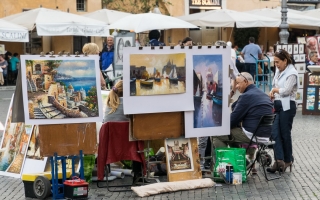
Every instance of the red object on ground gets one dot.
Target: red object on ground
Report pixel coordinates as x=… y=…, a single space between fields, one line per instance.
x=114 y=145
x=75 y=189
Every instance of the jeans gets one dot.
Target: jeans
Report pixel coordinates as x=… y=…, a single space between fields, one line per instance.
x=251 y=69
x=281 y=131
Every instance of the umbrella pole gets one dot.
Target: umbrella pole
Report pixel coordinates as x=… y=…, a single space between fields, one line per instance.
x=230 y=34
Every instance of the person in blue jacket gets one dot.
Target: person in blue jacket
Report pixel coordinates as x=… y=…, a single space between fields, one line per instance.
x=154 y=37
x=107 y=54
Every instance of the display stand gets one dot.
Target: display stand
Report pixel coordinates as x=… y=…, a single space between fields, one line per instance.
x=311 y=94
x=266 y=78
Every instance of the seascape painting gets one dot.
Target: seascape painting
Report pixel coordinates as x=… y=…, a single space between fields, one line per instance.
x=179 y=155
x=157 y=74
x=59 y=89
x=207 y=90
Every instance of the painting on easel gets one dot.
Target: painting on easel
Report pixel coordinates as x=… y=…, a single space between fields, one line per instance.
x=61 y=89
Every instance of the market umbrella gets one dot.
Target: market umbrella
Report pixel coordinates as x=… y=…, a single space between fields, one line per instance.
x=50 y=22
x=294 y=18
x=149 y=21
x=106 y=15
x=10 y=32
x=228 y=18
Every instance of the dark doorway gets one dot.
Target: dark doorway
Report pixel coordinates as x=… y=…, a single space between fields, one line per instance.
x=78 y=42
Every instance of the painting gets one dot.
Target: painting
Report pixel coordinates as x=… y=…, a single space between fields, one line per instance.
x=301 y=40
x=289 y=48
x=311 y=96
x=300 y=80
x=2 y=49
x=179 y=155
x=278 y=47
x=58 y=90
x=301 y=67
x=295 y=49
x=211 y=84
x=311 y=45
x=299 y=96
x=123 y=39
x=157 y=80
x=284 y=47
x=302 y=58
x=14 y=146
x=296 y=57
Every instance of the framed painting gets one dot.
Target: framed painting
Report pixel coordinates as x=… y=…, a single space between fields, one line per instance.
x=284 y=47
x=295 y=49
x=296 y=57
x=157 y=80
x=301 y=48
x=301 y=40
x=278 y=46
x=61 y=90
x=311 y=45
x=123 y=39
x=211 y=86
x=14 y=146
x=302 y=58
x=299 y=96
x=289 y=48
x=301 y=67
x=311 y=96
x=300 y=80
x=2 y=49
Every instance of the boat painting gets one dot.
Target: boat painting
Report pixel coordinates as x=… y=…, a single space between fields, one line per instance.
x=207 y=90
x=157 y=74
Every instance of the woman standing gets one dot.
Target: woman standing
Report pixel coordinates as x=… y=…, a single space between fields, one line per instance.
x=284 y=89
x=3 y=69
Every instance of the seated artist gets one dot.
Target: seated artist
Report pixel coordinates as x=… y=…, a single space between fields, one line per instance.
x=313 y=56
x=251 y=105
x=114 y=113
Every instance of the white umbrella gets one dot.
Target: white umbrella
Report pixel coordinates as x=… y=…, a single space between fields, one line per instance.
x=294 y=19
x=13 y=33
x=54 y=22
x=227 y=18
x=106 y=15
x=149 y=21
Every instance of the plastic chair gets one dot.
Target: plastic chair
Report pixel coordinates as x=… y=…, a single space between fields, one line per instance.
x=265 y=121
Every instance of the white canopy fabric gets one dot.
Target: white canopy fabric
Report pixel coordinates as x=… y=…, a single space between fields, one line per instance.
x=149 y=21
x=294 y=19
x=227 y=18
x=54 y=22
x=10 y=32
x=106 y=15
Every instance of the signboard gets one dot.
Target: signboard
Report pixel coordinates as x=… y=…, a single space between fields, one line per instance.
x=204 y=4
x=14 y=35
x=303 y=1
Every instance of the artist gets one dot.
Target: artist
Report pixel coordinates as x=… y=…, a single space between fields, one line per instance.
x=245 y=116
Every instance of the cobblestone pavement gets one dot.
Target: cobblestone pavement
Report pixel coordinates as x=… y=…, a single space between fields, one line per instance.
x=302 y=183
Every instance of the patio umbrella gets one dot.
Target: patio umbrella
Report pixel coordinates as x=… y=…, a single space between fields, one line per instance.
x=295 y=19
x=149 y=21
x=106 y=15
x=10 y=32
x=54 y=22
x=228 y=18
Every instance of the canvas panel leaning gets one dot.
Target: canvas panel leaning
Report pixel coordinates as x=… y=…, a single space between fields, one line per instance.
x=157 y=80
x=60 y=90
x=211 y=86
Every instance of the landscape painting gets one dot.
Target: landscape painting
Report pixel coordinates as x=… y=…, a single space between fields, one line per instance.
x=207 y=90
x=157 y=74
x=60 y=90
x=179 y=155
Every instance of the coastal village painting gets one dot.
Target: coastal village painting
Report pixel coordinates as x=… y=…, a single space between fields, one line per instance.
x=57 y=89
x=157 y=74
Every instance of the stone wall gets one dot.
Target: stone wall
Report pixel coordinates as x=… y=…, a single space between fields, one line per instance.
x=72 y=113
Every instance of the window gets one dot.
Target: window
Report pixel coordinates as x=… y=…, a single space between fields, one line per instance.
x=82 y=5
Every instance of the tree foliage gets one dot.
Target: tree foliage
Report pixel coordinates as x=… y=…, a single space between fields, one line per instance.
x=241 y=35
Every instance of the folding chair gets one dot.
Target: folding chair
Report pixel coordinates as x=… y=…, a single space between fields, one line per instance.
x=265 y=121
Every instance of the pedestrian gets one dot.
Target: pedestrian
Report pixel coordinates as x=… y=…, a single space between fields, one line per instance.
x=284 y=89
x=154 y=37
x=186 y=41
x=250 y=62
x=14 y=67
x=3 y=69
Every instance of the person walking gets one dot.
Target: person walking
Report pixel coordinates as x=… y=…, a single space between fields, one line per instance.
x=250 y=62
x=284 y=89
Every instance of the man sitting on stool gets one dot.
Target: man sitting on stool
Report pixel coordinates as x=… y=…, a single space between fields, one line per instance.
x=251 y=105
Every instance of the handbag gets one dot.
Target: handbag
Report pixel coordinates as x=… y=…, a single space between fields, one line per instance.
x=234 y=156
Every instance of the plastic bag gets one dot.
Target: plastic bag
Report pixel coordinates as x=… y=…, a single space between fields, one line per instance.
x=235 y=156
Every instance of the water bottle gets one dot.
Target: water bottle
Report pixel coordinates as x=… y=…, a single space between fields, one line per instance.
x=229 y=173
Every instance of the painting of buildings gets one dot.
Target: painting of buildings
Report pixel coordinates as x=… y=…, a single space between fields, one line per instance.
x=157 y=74
x=207 y=90
x=59 y=88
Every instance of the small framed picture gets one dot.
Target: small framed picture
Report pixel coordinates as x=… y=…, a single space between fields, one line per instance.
x=278 y=47
x=301 y=48
x=300 y=80
x=299 y=96
x=289 y=48
x=295 y=49
x=301 y=67
x=301 y=40
x=302 y=57
x=296 y=58
x=284 y=47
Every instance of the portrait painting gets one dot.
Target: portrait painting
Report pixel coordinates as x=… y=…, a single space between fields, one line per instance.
x=311 y=96
x=311 y=45
x=61 y=89
x=295 y=49
x=122 y=40
x=179 y=155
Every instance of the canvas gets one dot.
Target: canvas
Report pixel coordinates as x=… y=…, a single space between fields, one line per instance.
x=299 y=96
x=300 y=80
x=211 y=87
x=157 y=80
x=278 y=47
x=311 y=96
x=284 y=47
x=295 y=49
x=122 y=40
x=179 y=155
x=311 y=45
x=14 y=146
x=2 y=49
x=302 y=57
x=157 y=74
x=301 y=40
x=289 y=48
x=296 y=57
x=60 y=90
x=301 y=67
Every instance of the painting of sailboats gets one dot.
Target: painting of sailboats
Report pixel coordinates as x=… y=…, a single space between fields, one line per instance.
x=157 y=74
x=207 y=90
